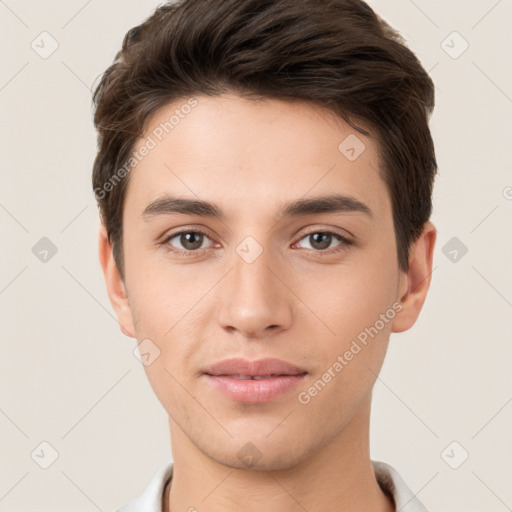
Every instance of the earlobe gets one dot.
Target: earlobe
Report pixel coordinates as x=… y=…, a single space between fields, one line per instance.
x=115 y=286
x=414 y=283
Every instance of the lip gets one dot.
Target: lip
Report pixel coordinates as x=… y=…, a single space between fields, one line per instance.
x=222 y=377
x=258 y=367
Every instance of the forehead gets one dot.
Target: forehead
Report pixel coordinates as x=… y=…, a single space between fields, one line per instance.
x=252 y=155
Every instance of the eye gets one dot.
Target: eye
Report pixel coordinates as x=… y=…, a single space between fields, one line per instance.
x=321 y=241
x=191 y=241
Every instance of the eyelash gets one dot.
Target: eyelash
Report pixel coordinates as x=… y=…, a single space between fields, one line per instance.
x=345 y=242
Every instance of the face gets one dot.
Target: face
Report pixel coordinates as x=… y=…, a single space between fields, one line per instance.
x=268 y=271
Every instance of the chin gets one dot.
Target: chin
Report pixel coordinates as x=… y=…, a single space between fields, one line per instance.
x=277 y=462
x=259 y=454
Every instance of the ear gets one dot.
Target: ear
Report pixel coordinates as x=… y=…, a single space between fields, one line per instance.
x=414 y=284
x=115 y=286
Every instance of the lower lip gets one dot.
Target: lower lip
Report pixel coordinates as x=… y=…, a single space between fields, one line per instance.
x=254 y=391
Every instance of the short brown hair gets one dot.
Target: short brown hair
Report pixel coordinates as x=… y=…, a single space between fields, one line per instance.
x=336 y=54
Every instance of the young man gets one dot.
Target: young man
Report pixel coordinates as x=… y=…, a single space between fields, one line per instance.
x=264 y=177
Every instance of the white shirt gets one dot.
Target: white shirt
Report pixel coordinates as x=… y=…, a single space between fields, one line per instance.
x=387 y=477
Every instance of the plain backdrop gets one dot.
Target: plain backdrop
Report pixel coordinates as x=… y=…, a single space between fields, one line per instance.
x=68 y=376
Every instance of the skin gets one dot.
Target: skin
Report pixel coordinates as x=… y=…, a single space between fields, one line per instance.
x=251 y=158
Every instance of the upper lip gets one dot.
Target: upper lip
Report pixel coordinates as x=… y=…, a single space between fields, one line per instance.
x=239 y=366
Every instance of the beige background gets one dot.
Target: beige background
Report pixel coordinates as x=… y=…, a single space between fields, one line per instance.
x=68 y=375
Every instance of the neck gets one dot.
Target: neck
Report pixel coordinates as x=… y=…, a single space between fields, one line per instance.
x=337 y=477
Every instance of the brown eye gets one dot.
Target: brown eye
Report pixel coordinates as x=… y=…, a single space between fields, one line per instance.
x=322 y=240
x=189 y=240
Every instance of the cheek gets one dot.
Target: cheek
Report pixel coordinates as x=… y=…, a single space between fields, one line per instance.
x=166 y=306
x=355 y=306
x=359 y=311
x=350 y=298
x=168 y=321
x=159 y=297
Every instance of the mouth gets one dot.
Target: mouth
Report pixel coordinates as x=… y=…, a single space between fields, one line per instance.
x=253 y=377
x=244 y=368
x=254 y=389
x=254 y=382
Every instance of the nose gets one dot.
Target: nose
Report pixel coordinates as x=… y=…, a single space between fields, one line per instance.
x=254 y=299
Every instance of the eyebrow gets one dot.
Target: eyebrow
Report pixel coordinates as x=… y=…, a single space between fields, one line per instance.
x=333 y=203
